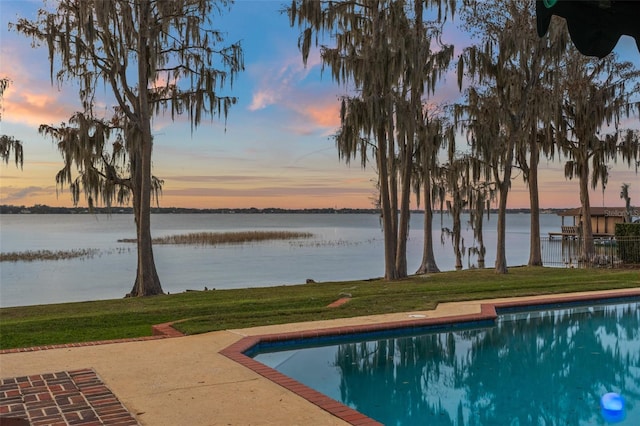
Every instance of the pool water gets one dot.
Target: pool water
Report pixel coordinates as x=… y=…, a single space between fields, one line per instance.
x=537 y=368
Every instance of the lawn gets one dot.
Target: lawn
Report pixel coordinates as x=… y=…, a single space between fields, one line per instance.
x=203 y=311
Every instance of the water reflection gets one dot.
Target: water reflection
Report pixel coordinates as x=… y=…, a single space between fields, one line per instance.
x=538 y=368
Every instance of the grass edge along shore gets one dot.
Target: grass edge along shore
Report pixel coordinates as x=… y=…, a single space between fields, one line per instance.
x=204 y=311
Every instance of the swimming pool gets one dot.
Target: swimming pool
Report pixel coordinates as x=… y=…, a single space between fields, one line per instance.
x=548 y=365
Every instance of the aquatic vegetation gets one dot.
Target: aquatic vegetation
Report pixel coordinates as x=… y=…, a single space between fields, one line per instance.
x=32 y=256
x=333 y=243
x=217 y=238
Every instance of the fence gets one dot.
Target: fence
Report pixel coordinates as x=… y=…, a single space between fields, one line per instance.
x=611 y=252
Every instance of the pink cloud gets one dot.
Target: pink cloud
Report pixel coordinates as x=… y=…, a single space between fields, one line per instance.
x=34 y=109
x=262 y=99
x=324 y=115
x=31 y=98
x=284 y=84
x=276 y=81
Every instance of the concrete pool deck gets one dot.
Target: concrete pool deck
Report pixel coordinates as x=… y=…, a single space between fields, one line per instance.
x=188 y=381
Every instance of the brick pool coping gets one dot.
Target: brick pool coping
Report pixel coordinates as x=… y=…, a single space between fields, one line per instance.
x=488 y=311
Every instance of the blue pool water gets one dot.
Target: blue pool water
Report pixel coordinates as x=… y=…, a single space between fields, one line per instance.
x=537 y=368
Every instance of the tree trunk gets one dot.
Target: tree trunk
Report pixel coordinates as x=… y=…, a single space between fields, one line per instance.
x=479 y=235
x=147 y=281
x=392 y=176
x=403 y=226
x=535 y=253
x=457 y=229
x=387 y=214
x=428 y=264
x=501 y=251
x=503 y=186
x=586 y=234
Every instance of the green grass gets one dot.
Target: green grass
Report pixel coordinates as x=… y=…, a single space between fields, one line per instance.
x=224 y=309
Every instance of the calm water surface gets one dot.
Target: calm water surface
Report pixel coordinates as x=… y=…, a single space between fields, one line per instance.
x=538 y=368
x=344 y=247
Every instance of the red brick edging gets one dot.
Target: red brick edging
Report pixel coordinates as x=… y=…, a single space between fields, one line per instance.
x=236 y=351
x=339 y=302
x=165 y=330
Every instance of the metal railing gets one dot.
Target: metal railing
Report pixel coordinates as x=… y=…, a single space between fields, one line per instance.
x=571 y=252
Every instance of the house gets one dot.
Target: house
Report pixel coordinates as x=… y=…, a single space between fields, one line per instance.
x=603 y=221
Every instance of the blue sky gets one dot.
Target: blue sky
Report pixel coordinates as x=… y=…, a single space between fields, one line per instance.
x=276 y=148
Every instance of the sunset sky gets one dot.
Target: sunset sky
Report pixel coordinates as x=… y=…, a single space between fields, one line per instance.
x=276 y=148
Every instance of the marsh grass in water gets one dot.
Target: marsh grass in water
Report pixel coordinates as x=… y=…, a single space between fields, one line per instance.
x=38 y=255
x=217 y=238
x=331 y=243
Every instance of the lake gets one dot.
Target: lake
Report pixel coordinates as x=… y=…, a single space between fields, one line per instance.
x=343 y=247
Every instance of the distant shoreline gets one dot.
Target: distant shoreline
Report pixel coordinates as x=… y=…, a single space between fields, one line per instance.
x=43 y=209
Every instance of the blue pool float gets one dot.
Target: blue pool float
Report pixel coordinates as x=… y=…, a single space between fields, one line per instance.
x=612 y=405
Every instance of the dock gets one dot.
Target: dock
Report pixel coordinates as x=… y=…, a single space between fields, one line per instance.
x=566 y=232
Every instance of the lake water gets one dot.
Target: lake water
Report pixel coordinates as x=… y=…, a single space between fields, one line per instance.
x=344 y=247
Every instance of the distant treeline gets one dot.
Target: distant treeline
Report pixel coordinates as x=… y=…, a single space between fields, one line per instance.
x=43 y=209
